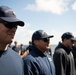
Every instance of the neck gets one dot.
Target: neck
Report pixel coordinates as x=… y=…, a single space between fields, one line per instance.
x=42 y=50
x=3 y=47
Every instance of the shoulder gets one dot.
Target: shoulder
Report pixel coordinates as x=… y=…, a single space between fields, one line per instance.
x=11 y=50
x=60 y=51
x=13 y=54
x=28 y=57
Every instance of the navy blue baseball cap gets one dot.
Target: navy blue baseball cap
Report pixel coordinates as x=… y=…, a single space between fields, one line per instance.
x=40 y=34
x=8 y=15
x=68 y=35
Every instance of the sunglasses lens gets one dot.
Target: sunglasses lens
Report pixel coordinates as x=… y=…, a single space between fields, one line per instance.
x=72 y=41
x=10 y=25
x=46 y=39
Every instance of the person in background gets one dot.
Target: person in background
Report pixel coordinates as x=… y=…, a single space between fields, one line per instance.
x=29 y=48
x=16 y=48
x=63 y=57
x=37 y=62
x=74 y=51
x=23 y=51
x=10 y=62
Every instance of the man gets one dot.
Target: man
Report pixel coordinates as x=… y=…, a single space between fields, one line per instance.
x=16 y=48
x=23 y=51
x=63 y=57
x=37 y=62
x=74 y=51
x=28 y=48
x=10 y=62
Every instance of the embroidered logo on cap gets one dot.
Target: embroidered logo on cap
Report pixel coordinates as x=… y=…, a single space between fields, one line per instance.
x=10 y=11
x=43 y=33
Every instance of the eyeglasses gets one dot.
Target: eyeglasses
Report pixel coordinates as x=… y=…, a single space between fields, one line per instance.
x=9 y=25
x=46 y=39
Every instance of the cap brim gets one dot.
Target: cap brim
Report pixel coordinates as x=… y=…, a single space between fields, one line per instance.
x=48 y=36
x=13 y=20
x=74 y=39
x=51 y=36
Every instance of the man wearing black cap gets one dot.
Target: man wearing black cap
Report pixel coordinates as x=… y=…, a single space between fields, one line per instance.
x=37 y=62
x=63 y=57
x=10 y=61
x=74 y=51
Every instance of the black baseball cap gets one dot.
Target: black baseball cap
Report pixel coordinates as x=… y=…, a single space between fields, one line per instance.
x=8 y=15
x=67 y=35
x=39 y=34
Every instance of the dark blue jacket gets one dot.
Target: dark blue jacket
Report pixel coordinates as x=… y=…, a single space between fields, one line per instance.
x=37 y=63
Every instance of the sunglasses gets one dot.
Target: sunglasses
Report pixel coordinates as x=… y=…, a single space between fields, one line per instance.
x=46 y=39
x=72 y=41
x=10 y=25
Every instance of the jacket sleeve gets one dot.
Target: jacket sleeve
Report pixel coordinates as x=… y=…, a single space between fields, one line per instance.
x=60 y=62
x=30 y=68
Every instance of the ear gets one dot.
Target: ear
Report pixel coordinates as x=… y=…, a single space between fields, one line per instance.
x=36 y=42
x=65 y=39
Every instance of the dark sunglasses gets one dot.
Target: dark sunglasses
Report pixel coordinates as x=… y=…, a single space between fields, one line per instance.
x=72 y=41
x=46 y=39
x=10 y=25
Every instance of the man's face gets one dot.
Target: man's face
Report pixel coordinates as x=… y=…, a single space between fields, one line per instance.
x=69 y=43
x=43 y=44
x=6 y=34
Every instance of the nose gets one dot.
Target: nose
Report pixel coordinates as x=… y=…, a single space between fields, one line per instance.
x=15 y=26
x=14 y=29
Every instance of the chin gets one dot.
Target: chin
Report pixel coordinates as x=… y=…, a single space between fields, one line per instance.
x=10 y=41
x=48 y=47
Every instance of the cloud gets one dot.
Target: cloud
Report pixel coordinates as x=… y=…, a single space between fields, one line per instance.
x=23 y=34
x=53 y=6
x=74 y=6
